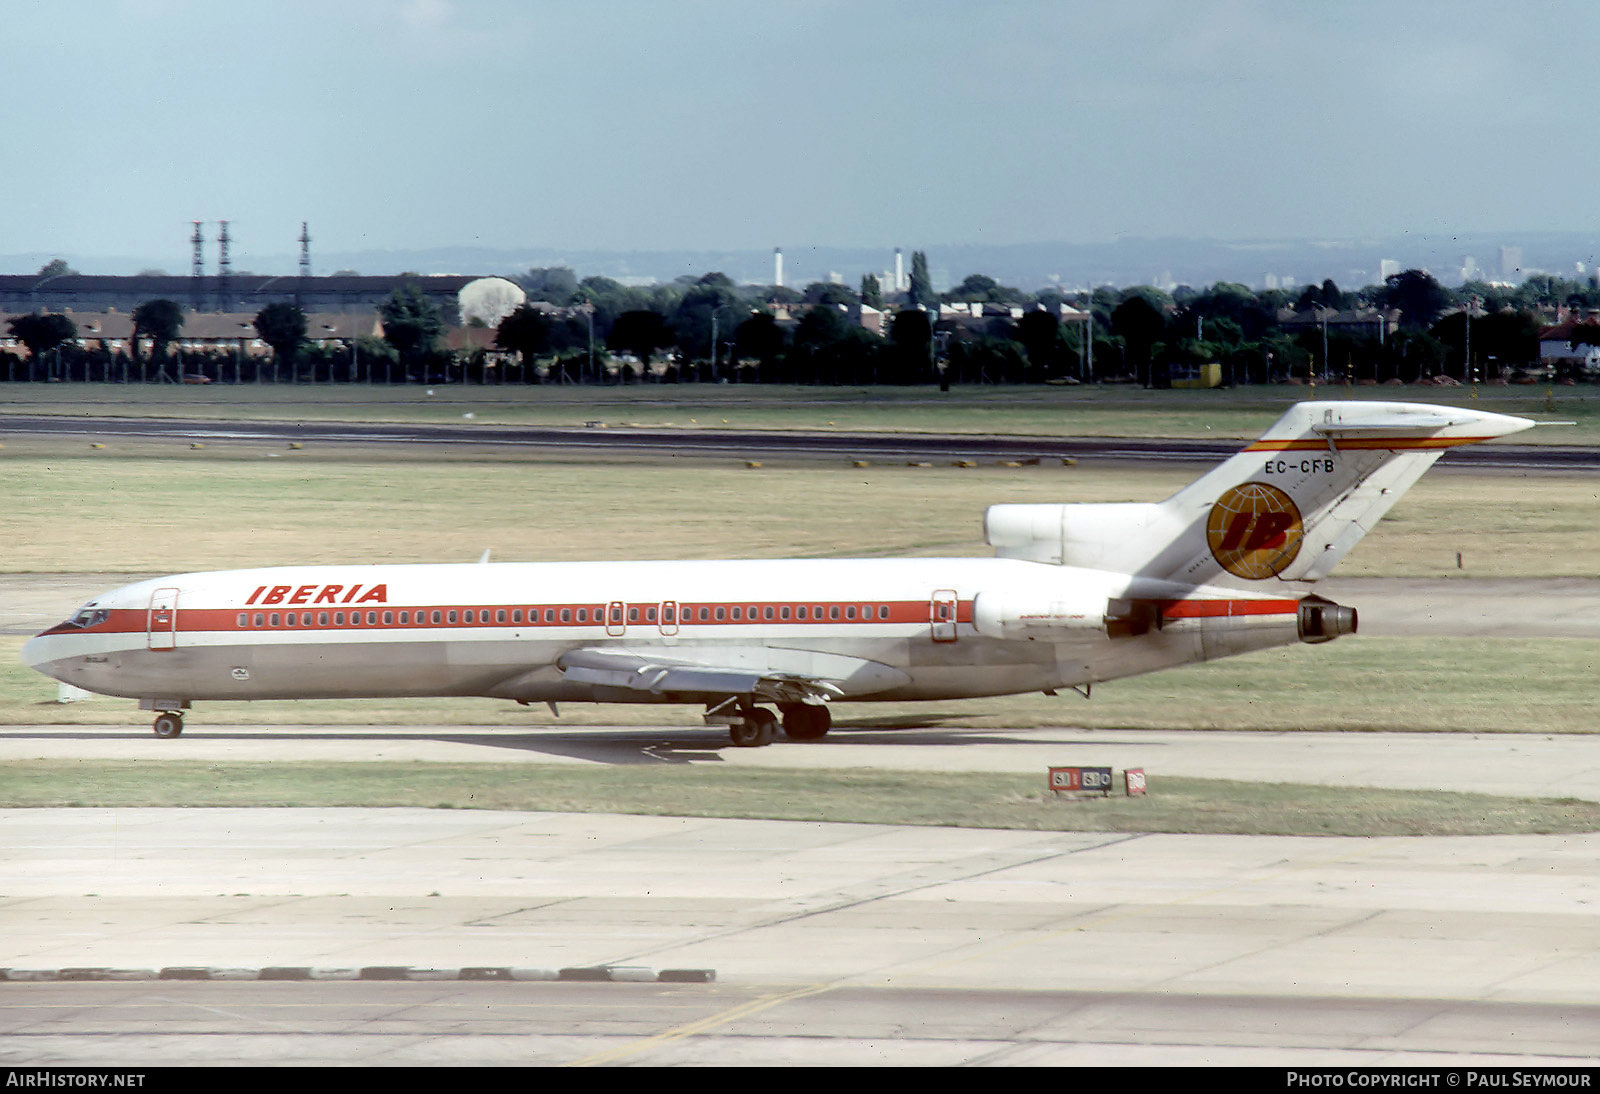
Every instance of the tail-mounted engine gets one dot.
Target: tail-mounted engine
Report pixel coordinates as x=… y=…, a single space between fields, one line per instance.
x=1322 y=620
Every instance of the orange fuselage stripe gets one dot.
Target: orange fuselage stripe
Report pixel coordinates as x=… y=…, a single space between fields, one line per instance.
x=1393 y=443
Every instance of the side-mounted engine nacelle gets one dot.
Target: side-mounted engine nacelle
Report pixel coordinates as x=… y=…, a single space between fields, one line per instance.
x=1322 y=620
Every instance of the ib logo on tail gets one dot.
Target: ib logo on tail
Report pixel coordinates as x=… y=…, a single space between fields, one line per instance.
x=1254 y=531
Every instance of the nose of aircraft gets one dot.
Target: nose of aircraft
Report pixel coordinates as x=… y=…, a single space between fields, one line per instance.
x=41 y=653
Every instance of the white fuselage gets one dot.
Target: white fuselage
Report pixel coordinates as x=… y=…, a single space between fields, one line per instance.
x=894 y=629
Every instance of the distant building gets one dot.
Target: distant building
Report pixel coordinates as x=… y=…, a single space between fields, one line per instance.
x=1378 y=323
x=1556 y=345
x=113 y=330
x=238 y=293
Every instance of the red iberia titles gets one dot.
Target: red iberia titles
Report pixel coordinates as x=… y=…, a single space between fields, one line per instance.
x=319 y=594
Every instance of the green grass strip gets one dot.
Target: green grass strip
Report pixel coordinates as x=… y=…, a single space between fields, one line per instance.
x=946 y=799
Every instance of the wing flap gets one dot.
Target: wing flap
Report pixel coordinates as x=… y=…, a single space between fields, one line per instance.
x=644 y=671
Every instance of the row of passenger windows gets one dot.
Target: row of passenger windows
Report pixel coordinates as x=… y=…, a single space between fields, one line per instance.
x=668 y=614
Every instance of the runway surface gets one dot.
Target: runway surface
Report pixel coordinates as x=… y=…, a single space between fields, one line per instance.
x=735 y=443
x=831 y=943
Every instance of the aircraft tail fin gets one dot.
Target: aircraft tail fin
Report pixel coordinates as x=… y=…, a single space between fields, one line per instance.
x=1286 y=508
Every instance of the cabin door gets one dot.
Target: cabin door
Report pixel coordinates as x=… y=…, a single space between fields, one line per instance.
x=162 y=625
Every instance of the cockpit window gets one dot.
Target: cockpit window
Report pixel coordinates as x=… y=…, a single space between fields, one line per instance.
x=89 y=617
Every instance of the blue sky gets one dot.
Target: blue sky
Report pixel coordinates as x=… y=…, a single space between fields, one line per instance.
x=636 y=125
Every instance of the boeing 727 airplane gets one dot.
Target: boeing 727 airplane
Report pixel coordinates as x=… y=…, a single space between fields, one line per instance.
x=1077 y=594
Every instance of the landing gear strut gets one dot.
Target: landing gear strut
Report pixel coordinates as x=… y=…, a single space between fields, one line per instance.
x=169 y=723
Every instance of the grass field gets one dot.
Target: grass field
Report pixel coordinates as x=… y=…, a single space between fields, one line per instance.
x=152 y=506
x=964 y=800
x=1111 y=410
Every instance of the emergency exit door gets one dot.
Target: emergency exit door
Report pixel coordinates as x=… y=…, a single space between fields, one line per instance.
x=942 y=615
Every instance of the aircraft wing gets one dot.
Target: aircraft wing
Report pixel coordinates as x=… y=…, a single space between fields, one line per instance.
x=768 y=674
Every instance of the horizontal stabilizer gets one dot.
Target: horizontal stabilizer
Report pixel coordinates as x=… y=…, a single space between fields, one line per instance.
x=1285 y=509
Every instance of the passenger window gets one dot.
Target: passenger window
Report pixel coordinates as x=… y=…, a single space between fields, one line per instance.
x=388 y=618
x=452 y=617
x=766 y=613
x=783 y=612
x=436 y=617
x=566 y=615
x=500 y=616
x=274 y=619
x=633 y=615
x=244 y=619
x=259 y=619
x=736 y=613
x=833 y=612
x=850 y=612
x=883 y=611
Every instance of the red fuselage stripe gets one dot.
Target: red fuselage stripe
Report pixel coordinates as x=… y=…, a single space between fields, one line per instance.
x=687 y=615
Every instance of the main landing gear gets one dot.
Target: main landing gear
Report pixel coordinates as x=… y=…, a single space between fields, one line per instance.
x=169 y=723
x=756 y=727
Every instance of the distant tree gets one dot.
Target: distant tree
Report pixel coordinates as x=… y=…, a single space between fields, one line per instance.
x=554 y=285
x=42 y=333
x=760 y=337
x=922 y=294
x=826 y=292
x=1419 y=297
x=1141 y=325
x=1039 y=333
x=527 y=332
x=709 y=307
x=911 y=336
x=160 y=321
x=283 y=327
x=411 y=324
x=56 y=267
x=871 y=291
x=641 y=333
x=977 y=288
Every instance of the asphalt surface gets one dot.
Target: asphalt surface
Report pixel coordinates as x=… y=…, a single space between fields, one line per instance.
x=738 y=443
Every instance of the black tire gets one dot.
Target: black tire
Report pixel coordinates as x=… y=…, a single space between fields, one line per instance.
x=169 y=725
x=805 y=722
x=756 y=730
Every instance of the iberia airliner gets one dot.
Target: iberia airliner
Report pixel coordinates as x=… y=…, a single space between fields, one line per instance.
x=1077 y=593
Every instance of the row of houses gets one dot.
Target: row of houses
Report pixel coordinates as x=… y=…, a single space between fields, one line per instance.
x=228 y=331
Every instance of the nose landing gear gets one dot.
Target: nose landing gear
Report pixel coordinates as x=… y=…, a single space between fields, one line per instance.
x=169 y=723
